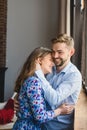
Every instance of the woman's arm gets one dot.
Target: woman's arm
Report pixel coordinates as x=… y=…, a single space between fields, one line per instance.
x=38 y=105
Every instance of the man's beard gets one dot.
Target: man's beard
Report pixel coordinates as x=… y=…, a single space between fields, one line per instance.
x=62 y=61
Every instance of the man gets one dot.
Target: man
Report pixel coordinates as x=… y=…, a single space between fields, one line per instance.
x=66 y=82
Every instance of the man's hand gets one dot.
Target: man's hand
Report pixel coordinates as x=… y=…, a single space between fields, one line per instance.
x=16 y=103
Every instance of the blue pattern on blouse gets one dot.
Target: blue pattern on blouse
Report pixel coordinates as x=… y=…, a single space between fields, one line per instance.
x=32 y=111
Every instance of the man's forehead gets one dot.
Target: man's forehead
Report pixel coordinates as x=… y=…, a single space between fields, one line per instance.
x=56 y=50
x=59 y=46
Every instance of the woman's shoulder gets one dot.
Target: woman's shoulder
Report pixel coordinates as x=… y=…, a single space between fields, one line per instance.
x=32 y=80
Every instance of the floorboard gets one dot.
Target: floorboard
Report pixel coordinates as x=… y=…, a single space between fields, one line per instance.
x=81 y=112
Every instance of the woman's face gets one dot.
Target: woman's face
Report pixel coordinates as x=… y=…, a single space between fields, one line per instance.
x=47 y=64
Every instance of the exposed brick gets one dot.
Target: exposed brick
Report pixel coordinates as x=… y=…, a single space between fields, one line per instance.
x=3 y=27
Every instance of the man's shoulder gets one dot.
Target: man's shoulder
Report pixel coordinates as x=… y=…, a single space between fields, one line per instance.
x=73 y=68
x=73 y=72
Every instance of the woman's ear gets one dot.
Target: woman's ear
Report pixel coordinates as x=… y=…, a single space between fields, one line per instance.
x=38 y=60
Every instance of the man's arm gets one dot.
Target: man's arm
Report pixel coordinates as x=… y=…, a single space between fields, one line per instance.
x=64 y=90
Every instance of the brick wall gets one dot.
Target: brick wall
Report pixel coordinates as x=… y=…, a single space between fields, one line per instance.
x=3 y=21
x=3 y=26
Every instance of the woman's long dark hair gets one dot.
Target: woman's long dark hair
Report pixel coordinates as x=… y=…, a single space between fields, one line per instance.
x=29 y=66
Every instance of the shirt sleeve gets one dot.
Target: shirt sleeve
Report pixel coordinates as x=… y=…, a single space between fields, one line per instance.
x=67 y=87
x=37 y=102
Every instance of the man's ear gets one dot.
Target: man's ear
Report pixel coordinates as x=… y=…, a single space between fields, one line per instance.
x=72 y=51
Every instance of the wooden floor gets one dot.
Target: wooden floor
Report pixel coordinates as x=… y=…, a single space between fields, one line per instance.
x=81 y=112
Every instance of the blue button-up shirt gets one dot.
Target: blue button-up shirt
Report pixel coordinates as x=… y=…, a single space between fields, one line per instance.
x=63 y=87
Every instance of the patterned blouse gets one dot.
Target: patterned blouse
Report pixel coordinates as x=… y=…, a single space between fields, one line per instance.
x=32 y=111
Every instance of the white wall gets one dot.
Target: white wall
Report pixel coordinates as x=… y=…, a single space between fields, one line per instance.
x=30 y=23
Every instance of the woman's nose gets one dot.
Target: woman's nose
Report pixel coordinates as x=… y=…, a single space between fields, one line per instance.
x=52 y=64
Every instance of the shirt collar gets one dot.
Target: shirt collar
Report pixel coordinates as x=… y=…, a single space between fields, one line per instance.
x=64 y=70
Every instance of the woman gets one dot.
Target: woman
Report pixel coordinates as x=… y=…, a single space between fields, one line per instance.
x=32 y=105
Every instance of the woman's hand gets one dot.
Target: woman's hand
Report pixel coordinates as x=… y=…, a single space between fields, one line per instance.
x=64 y=109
